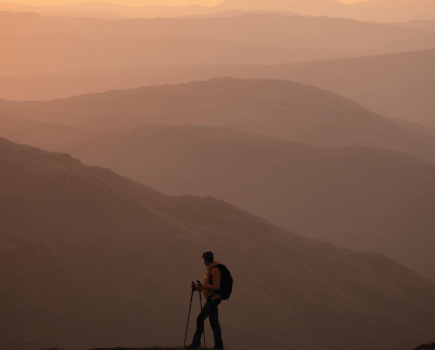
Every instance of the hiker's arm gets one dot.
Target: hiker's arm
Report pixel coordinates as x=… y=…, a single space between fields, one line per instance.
x=216 y=275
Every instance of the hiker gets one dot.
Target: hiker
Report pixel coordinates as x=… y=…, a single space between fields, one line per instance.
x=210 y=289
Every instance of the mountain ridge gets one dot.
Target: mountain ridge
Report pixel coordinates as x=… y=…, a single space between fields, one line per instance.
x=50 y=53
x=307 y=189
x=241 y=28
x=380 y=11
x=394 y=85
x=300 y=113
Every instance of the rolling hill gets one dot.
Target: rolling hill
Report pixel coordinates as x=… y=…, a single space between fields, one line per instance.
x=374 y=10
x=369 y=11
x=418 y=24
x=39 y=54
x=97 y=260
x=397 y=85
x=98 y=15
x=308 y=7
x=236 y=13
x=363 y=199
x=290 y=32
x=93 y=8
x=36 y=44
x=280 y=109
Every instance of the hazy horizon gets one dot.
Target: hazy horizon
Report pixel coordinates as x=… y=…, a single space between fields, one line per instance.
x=133 y=3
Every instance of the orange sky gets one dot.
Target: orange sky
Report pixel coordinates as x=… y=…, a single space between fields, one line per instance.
x=131 y=2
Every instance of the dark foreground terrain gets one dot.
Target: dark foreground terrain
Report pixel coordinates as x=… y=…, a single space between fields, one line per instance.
x=430 y=346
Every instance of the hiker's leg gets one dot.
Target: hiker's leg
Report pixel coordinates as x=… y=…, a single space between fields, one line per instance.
x=206 y=310
x=214 y=323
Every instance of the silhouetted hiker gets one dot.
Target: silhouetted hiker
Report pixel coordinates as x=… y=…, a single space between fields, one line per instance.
x=209 y=289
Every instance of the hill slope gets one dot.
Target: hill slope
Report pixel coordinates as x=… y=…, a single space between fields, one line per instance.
x=378 y=11
x=280 y=109
x=95 y=8
x=47 y=53
x=94 y=259
x=396 y=85
x=417 y=24
x=291 y=32
x=355 y=197
x=374 y=10
x=359 y=198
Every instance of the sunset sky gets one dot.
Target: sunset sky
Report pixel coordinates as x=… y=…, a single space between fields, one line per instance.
x=131 y=2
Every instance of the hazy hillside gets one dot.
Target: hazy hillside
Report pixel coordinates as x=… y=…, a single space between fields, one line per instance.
x=311 y=7
x=360 y=198
x=96 y=260
x=233 y=13
x=396 y=85
x=50 y=136
x=280 y=109
x=392 y=10
x=291 y=32
x=39 y=44
x=30 y=54
x=400 y=85
x=374 y=10
x=92 y=8
x=418 y=24
x=98 y=15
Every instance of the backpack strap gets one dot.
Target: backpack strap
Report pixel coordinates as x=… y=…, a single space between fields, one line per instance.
x=210 y=281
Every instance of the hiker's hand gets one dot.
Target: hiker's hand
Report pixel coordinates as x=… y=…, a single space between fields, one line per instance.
x=199 y=285
x=193 y=286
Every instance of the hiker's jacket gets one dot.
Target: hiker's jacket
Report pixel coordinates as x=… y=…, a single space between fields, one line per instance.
x=209 y=290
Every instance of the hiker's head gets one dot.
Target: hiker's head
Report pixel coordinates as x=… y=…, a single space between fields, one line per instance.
x=208 y=257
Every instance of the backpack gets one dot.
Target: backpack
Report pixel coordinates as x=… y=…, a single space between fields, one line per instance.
x=226 y=282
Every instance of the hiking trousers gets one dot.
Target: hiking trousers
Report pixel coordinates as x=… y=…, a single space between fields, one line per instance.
x=210 y=310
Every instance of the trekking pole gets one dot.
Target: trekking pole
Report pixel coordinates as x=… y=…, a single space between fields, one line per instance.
x=188 y=317
x=200 y=303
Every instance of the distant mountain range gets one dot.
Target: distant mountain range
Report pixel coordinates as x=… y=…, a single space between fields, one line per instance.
x=97 y=260
x=356 y=198
x=375 y=10
x=97 y=15
x=421 y=24
x=396 y=85
x=289 y=32
x=150 y=11
x=47 y=53
x=280 y=109
x=39 y=44
x=236 y=13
